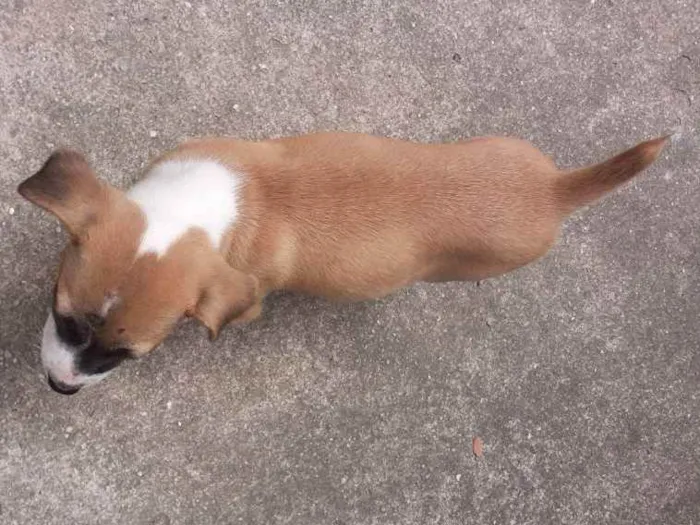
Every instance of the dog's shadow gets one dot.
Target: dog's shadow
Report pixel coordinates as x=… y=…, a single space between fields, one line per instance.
x=294 y=326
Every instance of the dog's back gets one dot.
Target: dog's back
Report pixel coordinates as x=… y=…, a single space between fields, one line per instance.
x=394 y=211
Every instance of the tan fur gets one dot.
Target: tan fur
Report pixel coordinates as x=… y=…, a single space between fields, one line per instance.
x=354 y=216
x=344 y=216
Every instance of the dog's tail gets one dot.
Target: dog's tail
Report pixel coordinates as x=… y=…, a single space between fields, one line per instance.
x=583 y=186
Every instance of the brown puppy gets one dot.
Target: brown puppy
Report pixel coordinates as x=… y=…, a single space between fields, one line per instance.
x=216 y=224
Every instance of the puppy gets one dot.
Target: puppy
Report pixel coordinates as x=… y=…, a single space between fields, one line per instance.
x=218 y=223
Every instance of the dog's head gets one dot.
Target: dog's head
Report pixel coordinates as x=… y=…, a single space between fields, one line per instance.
x=118 y=294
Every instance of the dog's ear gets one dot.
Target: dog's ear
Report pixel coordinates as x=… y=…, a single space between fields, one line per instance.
x=67 y=187
x=227 y=295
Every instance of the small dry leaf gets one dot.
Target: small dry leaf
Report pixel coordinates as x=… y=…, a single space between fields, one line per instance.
x=477 y=447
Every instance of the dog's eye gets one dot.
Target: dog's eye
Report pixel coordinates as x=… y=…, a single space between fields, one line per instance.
x=95 y=320
x=72 y=330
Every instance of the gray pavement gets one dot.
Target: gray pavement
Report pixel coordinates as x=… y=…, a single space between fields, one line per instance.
x=580 y=373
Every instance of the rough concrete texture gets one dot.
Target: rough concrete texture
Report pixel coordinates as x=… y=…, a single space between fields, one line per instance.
x=580 y=373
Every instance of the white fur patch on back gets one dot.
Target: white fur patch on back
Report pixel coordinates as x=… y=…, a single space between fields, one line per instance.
x=176 y=196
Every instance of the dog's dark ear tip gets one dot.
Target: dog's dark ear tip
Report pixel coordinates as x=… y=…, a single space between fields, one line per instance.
x=22 y=188
x=29 y=189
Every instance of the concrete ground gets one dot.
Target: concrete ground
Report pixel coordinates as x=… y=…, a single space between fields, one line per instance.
x=580 y=373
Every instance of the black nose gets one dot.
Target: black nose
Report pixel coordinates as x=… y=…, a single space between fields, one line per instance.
x=61 y=388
